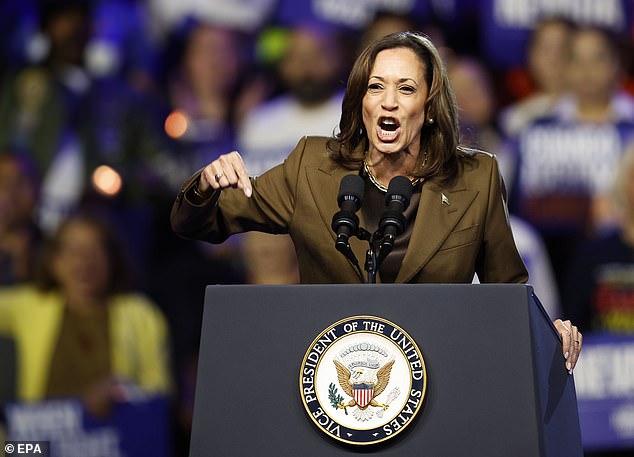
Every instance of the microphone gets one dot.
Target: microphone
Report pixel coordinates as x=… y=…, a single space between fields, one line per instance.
x=392 y=223
x=345 y=222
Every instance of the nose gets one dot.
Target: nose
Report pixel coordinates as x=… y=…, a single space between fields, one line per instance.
x=390 y=99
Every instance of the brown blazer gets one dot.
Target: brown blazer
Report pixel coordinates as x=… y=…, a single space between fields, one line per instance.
x=468 y=232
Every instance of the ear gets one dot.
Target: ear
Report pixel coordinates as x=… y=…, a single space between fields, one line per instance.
x=429 y=116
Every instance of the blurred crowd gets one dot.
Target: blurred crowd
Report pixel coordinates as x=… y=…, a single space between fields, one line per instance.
x=106 y=106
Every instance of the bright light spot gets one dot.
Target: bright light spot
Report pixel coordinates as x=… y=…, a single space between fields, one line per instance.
x=176 y=124
x=107 y=180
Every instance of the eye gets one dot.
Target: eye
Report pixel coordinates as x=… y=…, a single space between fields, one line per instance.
x=407 y=89
x=374 y=87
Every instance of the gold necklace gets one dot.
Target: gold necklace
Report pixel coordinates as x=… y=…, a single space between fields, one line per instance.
x=381 y=187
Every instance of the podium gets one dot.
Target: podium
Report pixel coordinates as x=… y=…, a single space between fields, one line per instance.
x=496 y=381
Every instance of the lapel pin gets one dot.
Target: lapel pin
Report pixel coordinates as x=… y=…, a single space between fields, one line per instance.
x=444 y=200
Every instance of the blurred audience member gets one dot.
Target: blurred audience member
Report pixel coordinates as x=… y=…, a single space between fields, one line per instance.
x=567 y=160
x=546 y=58
x=204 y=88
x=19 y=234
x=477 y=107
x=80 y=331
x=310 y=72
x=594 y=76
x=476 y=104
x=599 y=288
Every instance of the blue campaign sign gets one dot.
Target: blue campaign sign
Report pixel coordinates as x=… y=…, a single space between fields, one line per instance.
x=604 y=380
x=139 y=428
x=350 y=14
x=507 y=24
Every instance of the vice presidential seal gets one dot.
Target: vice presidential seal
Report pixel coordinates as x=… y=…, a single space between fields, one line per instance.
x=363 y=380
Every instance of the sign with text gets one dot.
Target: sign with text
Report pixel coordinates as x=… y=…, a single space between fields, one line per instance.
x=604 y=380
x=139 y=428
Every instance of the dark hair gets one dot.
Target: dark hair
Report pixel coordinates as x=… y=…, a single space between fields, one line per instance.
x=119 y=269
x=439 y=140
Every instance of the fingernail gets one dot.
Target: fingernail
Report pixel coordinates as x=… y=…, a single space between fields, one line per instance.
x=569 y=367
x=247 y=192
x=566 y=355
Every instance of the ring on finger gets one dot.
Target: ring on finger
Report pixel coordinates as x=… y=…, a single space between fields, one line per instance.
x=218 y=176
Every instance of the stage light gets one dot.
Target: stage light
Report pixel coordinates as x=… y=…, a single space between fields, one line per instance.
x=176 y=124
x=107 y=181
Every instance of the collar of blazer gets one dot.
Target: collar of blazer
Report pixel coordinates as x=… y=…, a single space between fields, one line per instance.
x=439 y=211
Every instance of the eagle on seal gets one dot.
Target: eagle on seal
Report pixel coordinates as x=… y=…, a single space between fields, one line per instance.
x=363 y=384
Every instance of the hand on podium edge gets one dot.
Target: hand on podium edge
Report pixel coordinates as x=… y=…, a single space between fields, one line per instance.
x=571 y=341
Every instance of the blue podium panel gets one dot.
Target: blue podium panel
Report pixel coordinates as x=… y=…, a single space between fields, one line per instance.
x=496 y=383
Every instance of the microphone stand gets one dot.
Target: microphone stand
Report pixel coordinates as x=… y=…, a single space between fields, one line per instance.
x=376 y=253
x=371 y=266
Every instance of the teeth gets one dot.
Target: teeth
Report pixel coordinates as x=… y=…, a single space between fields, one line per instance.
x=388 y=124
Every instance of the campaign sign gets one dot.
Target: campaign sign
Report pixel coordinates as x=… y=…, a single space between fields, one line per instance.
x=139 y=428
x=506 y=25
x=604 y=381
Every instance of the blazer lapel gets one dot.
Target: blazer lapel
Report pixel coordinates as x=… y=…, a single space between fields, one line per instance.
x=438 y=213
x=324 y=185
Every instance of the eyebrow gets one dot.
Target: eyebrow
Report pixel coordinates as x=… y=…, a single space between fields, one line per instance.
x=401 y=80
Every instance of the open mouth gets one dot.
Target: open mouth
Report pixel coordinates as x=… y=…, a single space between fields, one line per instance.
x=388 y=128
x=388 y=124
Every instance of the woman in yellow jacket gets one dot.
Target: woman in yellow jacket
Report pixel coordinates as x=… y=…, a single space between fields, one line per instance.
x=78 y=332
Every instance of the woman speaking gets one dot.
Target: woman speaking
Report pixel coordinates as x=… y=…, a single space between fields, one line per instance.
x=399 y=119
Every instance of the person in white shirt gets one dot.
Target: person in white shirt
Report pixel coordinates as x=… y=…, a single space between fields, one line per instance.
x=310 y=71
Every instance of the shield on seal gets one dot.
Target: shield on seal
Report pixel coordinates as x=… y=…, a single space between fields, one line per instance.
x=363 y=394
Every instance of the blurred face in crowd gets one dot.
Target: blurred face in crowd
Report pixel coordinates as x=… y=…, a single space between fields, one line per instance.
x=211 y=59
x=69 y=32
x=394 y=104
x=548 y=54
x=80 y=262
x=17 y=194
x=311 y=65
x=473 y=92
x=593 y=68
